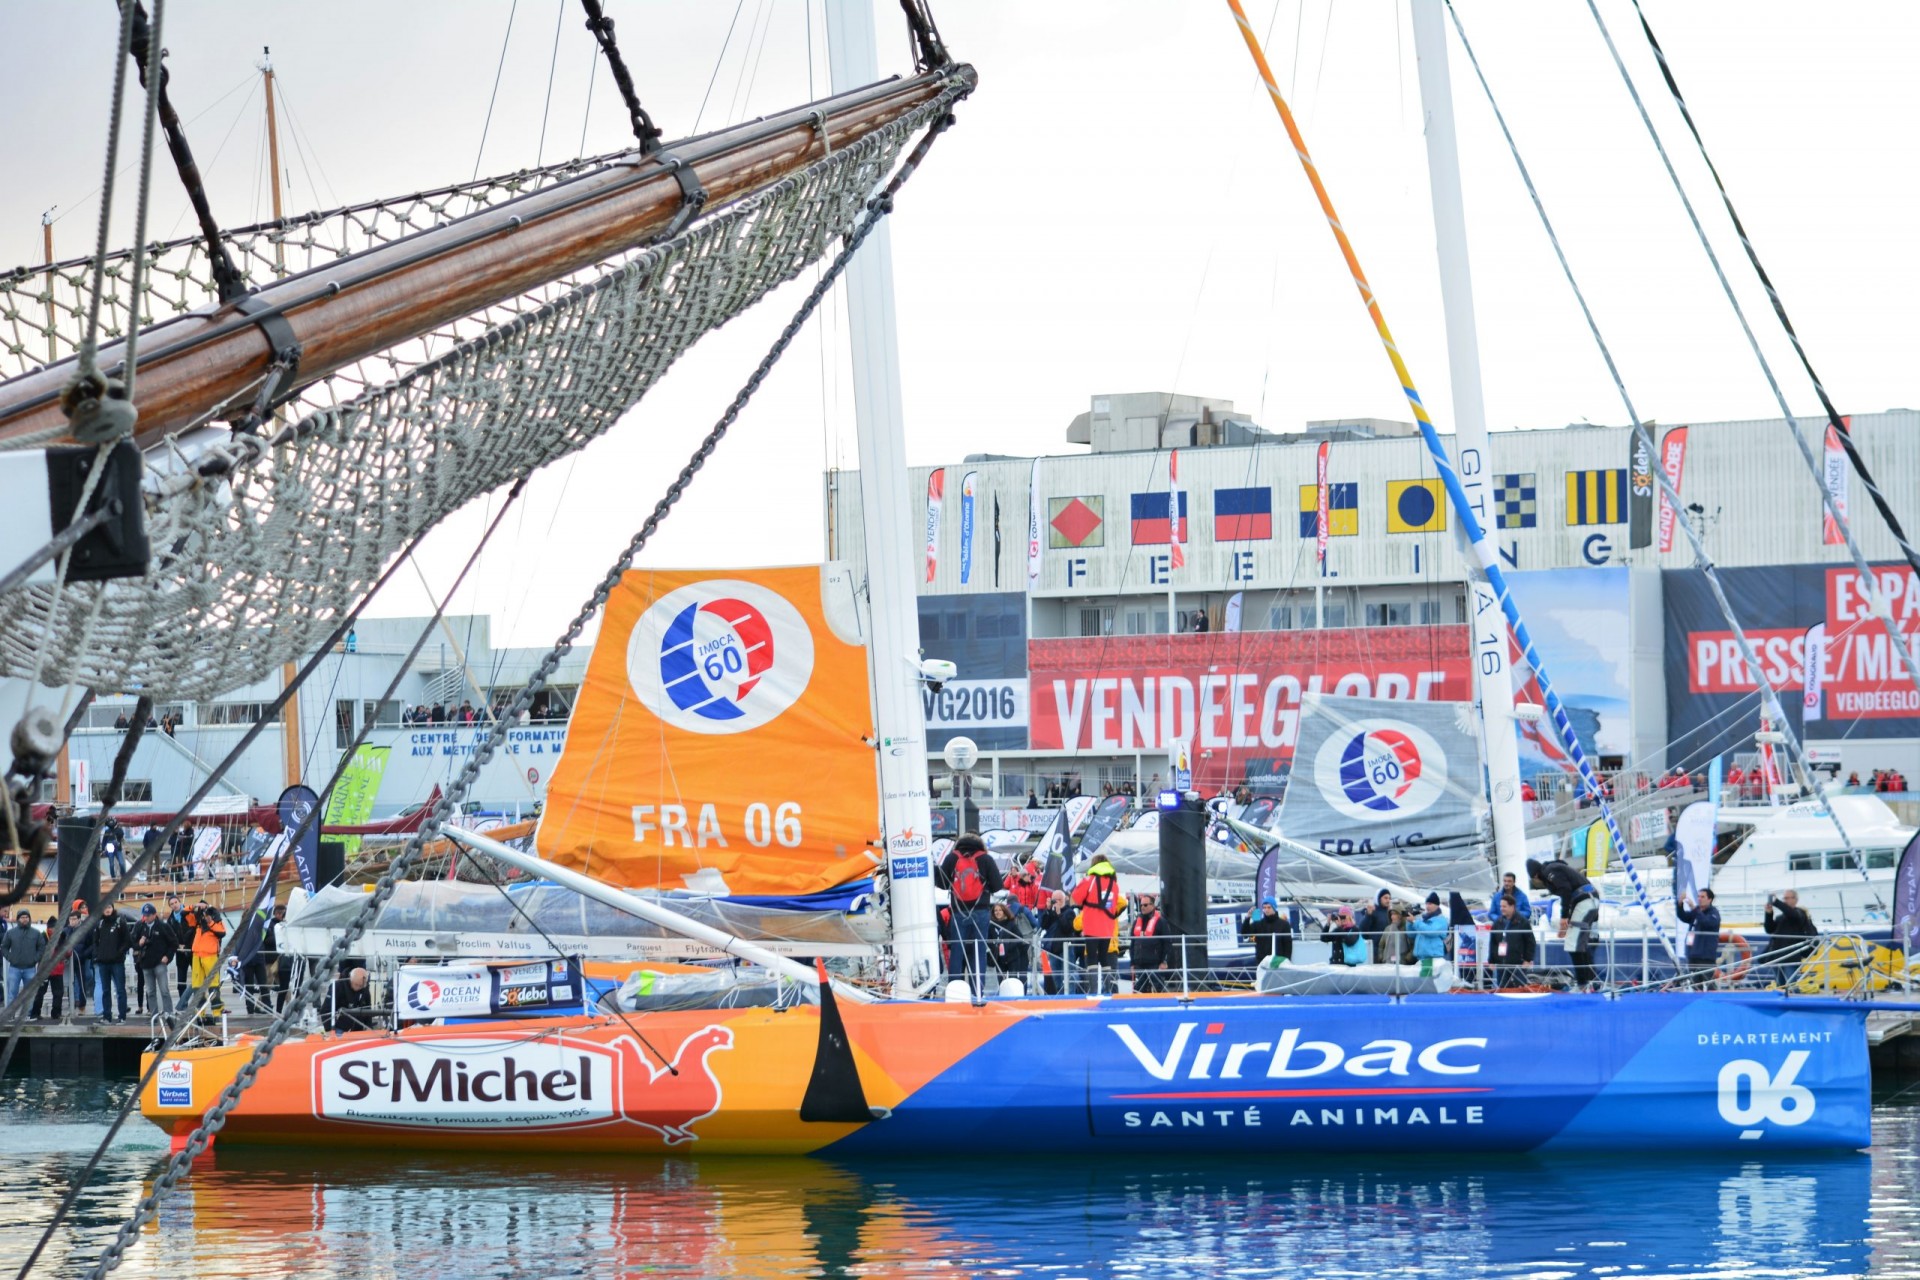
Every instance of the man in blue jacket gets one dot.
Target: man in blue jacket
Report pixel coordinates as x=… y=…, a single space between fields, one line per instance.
x=1522 y=905
x=1703 y=937
x=1430 y=931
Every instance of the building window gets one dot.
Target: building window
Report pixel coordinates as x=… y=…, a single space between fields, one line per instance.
x=1138 y=622
x=1429 y=613
x=230 y=713
x=343 y=724
x=1460 y=608
x=1388 y=614
x=1280 y=617
x=1096 y=621
x=136 y=790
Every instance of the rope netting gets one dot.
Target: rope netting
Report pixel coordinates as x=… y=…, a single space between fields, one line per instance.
x=43 y=309
x=251 y=566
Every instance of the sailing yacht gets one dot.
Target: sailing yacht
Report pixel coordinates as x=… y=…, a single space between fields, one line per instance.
x=696 y=674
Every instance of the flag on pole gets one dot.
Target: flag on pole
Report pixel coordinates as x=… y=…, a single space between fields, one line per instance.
x=1814 y=705
x=1673 y=458
x=1836 y=469
x=1033 y=527
x=967 y=483
x=1320 y=503
x=1906 y=899
x=1640 y=489
x=936 y=499
x=996 y=539
x=1176 y=508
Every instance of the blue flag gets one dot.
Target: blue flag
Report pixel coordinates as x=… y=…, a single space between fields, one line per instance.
x=296 y=804
x=966 y=526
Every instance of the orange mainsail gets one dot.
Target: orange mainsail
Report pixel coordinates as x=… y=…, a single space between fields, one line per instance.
x=720 y=742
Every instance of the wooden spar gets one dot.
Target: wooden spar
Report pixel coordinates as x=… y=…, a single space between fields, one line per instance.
x=46 y=238
x=273 y=156
x=207 y=363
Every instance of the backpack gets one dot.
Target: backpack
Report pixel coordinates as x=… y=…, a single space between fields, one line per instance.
x=967 y=883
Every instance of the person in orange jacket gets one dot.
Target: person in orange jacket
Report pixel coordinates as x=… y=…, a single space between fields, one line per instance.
x=1101 y=903
x=209 y=932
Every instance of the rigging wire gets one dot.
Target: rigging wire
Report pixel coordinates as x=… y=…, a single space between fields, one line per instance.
x=1834 y=418
x=1476 y=537
x=718 y=62
x=198 y=997
x=299 y=132
x=1870 y=586
x=586 y=112
x=553 y=64
x=1770 y=697
x=245 y=81
x=14 y=1013
x=495 y=95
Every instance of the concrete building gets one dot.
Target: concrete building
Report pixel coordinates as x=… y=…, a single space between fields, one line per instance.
x=348 y=692
x=1077 y=658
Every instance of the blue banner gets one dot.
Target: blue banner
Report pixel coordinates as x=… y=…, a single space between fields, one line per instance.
x=297 y=804
x=1307 y=1075
x=1906 y=899
x=966 y=526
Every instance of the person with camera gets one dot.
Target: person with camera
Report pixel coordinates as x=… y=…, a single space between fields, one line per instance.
x=209 y=931
x=1703 y=937
x=112 y=944
x=1790 y=933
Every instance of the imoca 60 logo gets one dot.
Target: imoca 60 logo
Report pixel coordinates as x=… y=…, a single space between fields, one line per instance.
x=1380 y=771
x=720 y=656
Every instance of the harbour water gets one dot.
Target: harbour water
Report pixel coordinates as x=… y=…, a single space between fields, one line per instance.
x=1304 y=1212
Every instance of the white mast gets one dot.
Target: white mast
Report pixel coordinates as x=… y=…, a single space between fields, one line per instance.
x=894 y=646
x=1492 y=669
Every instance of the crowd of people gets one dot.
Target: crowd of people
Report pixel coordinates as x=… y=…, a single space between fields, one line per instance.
x=998 y=925
x=441 y=713
x=170 y=953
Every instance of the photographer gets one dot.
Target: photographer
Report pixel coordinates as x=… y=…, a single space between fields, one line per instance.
x=1790 y=931
x=209 y=931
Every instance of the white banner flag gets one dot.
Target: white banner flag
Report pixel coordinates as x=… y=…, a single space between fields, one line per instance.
x=1814 y=705
x=936 y=499
x=1836 y=469
x=1034 y=502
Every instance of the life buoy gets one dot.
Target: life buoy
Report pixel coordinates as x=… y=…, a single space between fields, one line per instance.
x=1738 y=969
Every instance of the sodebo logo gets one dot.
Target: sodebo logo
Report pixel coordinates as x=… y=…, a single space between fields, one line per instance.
x=1750 y=1094
x=720 y=656
x=1291 y=1058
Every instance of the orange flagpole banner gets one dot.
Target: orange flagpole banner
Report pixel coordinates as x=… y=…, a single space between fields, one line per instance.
x=719 y=743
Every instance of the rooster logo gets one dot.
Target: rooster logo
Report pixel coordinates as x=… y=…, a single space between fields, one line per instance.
x=670 y=1099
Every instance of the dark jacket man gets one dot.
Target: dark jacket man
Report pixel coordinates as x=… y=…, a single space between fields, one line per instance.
x=112 y=938
x=1374 y=922
x=1703 y=942
x=1790 y=930
x=1269 y=931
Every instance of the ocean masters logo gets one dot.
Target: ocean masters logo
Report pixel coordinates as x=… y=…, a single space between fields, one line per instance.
x=720 y=656
x=1380 y=771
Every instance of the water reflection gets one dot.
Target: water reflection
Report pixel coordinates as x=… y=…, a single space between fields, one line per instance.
x=255 y=1214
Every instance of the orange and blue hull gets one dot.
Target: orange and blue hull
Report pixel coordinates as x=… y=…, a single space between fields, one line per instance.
x=1132 y=1074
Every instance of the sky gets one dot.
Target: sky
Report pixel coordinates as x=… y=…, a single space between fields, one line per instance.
x=1116 y=210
